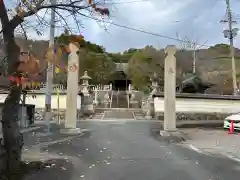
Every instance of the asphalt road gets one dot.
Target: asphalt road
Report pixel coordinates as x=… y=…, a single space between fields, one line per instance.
x=130 y=151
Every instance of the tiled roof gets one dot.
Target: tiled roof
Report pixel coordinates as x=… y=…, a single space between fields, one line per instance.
x=121 y=66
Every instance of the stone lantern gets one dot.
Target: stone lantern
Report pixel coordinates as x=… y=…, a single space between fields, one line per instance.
x=150 y=100
x=155 y=85
x=85 y=82
x=87 y=101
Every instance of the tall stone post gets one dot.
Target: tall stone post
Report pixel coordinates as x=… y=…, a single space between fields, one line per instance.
x=170 y=89
x=70 y=123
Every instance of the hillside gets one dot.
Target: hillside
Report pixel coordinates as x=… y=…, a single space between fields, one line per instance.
x=213 y=64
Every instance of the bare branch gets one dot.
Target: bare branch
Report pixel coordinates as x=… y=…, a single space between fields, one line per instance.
x=24 y=32
x=21 y=14
x=68 y=28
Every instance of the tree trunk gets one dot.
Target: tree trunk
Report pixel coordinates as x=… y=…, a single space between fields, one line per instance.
x=12 y=137
x=13 y=140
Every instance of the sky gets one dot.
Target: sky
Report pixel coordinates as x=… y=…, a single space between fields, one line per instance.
x=194 y=20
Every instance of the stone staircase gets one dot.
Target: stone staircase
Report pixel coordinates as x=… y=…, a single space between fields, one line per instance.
x=98 y=114
x=119 y=99
x=139 y=115
x=118 y=114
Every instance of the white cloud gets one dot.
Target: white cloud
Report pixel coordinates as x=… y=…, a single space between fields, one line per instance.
x=193 y=18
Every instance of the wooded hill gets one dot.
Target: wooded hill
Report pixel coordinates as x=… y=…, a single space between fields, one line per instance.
x=213 y=65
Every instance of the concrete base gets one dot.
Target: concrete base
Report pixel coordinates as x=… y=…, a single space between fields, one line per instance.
x=172 y=136
x=148 y=117
x=71 y=131
x=167 y=133
x=43 y=134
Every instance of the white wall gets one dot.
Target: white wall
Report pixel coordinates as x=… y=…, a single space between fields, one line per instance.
x=200 y=105
x=39 y=102
x=182 y=104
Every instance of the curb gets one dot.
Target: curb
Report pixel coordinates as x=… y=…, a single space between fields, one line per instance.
x=29 y=129
x=202 y=151
x=234 y=158
x=204 y=124
x=44 y=144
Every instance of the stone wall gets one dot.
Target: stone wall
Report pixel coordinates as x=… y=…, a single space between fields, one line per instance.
x=194 y=116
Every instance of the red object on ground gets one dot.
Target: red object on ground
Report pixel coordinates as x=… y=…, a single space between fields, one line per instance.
x=22 y=79
x=18 y=81
x=231 y=128
x=12 y=78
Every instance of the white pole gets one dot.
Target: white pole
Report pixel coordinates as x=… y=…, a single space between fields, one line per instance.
x=58 y=106
x=194 y=57
x=49 y=80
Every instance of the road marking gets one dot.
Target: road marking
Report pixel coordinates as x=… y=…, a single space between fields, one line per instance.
x=194 y=148
x=44 y=144
x=30 y=129
x=232 y=157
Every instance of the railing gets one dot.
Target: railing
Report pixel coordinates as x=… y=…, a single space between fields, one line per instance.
x=111 y=99
x=117 y=97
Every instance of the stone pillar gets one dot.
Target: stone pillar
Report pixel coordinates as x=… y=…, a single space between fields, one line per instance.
x=106 y=100
x=72 y=91
x=150 y=107
x=170 y=89
x=95 y=102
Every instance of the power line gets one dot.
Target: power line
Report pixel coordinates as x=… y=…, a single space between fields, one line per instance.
x=125 y=2
x=142 y=31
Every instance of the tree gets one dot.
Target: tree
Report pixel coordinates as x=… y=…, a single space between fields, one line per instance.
x=93 y=59
x=17 y=69
x=99 y=66
x=143 y=65
x=65 y=39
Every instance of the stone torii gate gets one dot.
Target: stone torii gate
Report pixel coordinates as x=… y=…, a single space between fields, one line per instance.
x=170 y=93
x=70 y=123
x=170 y=89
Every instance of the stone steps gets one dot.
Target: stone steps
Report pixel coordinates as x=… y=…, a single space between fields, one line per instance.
x=119 y=100
x=98 y=115
x=118 y=115
x=139 y=116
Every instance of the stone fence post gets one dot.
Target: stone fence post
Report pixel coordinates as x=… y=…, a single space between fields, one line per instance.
x=70 y=123
x=170 y=89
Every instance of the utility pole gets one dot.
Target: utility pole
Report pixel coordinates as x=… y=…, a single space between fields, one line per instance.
x=194 y=58
x=49 y=80
x=230 y=34
x=192 y=45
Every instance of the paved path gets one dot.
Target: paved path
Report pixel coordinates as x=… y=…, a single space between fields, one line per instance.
x=214 y=141
x=125 y=150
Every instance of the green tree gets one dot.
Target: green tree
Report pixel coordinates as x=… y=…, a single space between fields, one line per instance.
x=65 y=39
x=93 y=59
x=99 y=67
x=143 y=65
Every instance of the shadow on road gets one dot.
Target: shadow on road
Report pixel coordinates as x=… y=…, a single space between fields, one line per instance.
x=37 y=170
x=52 y=169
